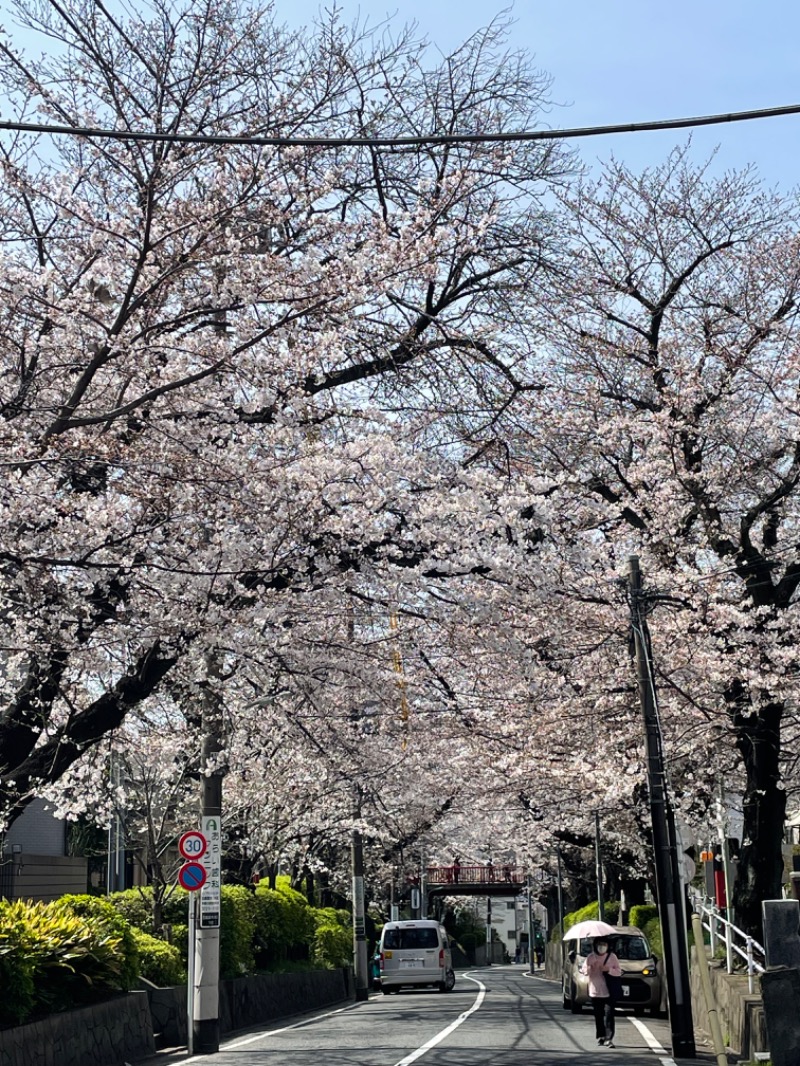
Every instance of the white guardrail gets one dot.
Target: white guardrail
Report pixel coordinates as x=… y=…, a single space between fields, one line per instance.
x=736 y=941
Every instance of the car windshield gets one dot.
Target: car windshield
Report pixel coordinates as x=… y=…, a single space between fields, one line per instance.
x=625 y=947
x=404 y=939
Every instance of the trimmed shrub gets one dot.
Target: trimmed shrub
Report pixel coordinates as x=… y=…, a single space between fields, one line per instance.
x=136 y=906
x=159 y=962
x=332 y=946
x=586 y=914
x=237 y=930
x=645 y=916
x=332 y=943
x=237 y=922
x=107 y=917
x=284 y=924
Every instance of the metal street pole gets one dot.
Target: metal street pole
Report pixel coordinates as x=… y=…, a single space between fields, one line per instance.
x=359 y=927
x=206 y=991
x=665 y=850
x=601 y=905
x=531 y=933
x=560 y=893
x=488 y=930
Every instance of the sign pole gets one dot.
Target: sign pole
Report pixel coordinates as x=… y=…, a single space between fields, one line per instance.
x=191 y=975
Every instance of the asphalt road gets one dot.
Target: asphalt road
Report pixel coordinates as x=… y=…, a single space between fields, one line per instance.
x=497 y=1016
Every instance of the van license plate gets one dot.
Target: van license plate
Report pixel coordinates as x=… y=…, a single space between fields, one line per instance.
x=410 y=964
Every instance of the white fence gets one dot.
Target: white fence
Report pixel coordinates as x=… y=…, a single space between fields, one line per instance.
x=736 y=941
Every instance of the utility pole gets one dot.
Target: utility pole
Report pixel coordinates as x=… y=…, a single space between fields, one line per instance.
x=531 y=932
x=488 y=930
x=601 y=905
x=206 y=990
x=359 y=928
x=668 y=878
x=560 y=893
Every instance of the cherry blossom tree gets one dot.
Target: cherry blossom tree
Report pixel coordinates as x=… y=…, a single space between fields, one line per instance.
x=236 y=382
x=672 y=431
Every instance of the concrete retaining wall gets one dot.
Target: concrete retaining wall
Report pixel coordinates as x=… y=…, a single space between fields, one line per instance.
x=107 y=1034
x=246 y=1001
x=741 y=1012
x=130 y=1027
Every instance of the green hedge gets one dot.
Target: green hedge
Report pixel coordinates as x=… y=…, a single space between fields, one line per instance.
x=645 y=917
x=136 y=906
x=332 y=943
x=237 y=922
x=284 y=924
x=586 y=914
x=159 y=962
x=237 y=930
x=54 y=956
x=265 y=929
x=107 y=916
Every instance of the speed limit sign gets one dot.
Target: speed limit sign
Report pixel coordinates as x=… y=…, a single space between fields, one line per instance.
x=192 y=845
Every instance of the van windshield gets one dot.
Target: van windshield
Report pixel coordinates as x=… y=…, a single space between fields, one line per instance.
x=404 y=939
x=632 y=948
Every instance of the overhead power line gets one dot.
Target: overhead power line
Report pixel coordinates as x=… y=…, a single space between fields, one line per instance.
x=94 y=132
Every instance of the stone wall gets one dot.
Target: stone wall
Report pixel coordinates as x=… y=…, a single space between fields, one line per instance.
x=741 y=1012
x=124 y=1029
x=107 y=1034
x=247 y=1001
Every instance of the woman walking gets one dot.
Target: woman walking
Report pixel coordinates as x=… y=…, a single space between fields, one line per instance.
x=600 y=965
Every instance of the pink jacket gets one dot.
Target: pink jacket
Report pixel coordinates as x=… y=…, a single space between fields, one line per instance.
x=596 y=966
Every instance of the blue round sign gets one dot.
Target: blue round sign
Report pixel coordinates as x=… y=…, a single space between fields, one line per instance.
x=192 y=875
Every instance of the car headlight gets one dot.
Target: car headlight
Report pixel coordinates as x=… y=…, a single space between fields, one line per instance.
x=647 y=972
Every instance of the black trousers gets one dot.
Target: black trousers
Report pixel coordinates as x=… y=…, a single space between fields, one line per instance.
x=603 y=1007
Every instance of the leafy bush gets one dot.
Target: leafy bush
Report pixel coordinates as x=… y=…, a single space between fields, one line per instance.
x=159 y=962
x=237 y=930
x=237 y=922
x=645 y=917
x=107 y=917
x=332 y=943
x=332 y=946
x=284 y=924
x=70 y=959
x=587 y=914
x=136 y=906
x=17 y=967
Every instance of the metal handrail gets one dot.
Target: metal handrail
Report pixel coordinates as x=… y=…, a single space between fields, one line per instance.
x=728 y=935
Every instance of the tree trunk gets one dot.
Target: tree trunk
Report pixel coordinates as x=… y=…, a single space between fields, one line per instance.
x=760 y=871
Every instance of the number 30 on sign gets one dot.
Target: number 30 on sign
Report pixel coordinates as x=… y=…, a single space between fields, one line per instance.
x=192 y=845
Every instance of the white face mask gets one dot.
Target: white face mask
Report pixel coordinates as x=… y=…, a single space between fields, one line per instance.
x=601 y=949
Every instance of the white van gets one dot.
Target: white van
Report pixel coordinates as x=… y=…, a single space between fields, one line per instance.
x=413 y=954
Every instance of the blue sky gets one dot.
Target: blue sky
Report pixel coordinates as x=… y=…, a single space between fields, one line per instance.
x=621 y=61
x=625 y=61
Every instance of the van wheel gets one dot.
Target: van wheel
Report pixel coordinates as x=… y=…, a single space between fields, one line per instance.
x=450 y=980
x=565 y=1000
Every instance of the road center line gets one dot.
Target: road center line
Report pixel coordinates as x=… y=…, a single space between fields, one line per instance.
x=425 y=1048
x=652 y=1043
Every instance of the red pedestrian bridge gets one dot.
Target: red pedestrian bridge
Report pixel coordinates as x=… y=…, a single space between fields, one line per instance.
x=485 y=880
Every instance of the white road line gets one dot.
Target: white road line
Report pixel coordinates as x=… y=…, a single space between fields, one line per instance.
x=425 y=1048
x=652 y=1043
x=269 y=1032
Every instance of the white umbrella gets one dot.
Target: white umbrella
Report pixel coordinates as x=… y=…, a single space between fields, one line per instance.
x=590 y=928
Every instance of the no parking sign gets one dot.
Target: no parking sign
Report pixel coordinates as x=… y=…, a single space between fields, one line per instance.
x=192 y=875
